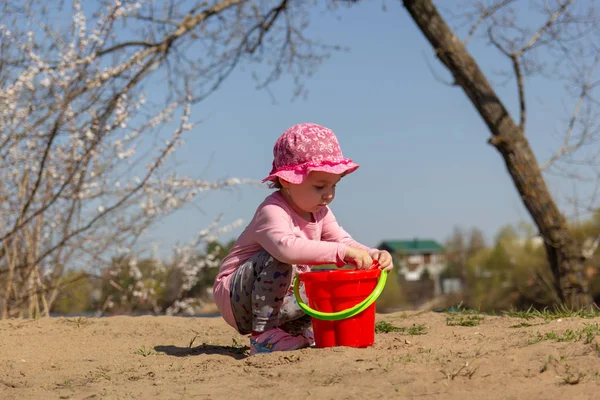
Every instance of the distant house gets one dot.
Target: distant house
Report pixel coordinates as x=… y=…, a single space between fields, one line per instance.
x=419 y=263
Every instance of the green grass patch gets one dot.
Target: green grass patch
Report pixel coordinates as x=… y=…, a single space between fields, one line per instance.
x=521 y=325
x=554 y=313
x=143 y=351
x=585 y=335
x=416 y=330
x=459 y=309
x=386 y=327
x=468 y=320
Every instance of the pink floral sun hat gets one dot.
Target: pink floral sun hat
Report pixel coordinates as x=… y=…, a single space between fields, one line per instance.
x=304 y=148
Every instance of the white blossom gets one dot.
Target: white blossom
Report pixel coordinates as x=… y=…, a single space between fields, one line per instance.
x=76 y=119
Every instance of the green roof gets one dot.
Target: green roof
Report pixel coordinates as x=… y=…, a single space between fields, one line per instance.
x=412 y=246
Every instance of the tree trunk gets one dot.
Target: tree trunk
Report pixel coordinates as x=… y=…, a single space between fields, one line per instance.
x=564 y=254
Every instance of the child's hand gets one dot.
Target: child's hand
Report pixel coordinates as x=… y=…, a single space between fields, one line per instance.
x=358 y=257
x=385 y=260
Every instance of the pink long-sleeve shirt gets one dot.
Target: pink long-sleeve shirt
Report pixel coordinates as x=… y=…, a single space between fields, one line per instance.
x=289 y=238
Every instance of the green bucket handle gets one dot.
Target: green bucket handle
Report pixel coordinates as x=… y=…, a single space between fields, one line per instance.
x=347 y=313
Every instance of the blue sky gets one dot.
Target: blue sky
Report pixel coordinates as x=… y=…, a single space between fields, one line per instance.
x=425 y=162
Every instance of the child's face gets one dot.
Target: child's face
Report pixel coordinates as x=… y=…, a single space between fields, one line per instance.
x=317 y=191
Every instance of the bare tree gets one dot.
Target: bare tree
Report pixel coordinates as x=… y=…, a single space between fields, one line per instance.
x=85 y=146
x=569 y=38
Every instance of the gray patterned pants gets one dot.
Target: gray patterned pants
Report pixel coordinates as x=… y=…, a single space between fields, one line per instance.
x=262 y=297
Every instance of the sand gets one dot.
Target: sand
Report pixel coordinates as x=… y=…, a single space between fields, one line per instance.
x=202 y=358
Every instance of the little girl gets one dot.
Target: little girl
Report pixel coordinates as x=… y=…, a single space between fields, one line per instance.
x=291 y=230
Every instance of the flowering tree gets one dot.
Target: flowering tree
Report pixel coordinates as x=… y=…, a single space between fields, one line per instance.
x=135 y=283
x=84 y=139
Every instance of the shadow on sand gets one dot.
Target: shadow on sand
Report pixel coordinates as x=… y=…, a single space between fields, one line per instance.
x=235 y=352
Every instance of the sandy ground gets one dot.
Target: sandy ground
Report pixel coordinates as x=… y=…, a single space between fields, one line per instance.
x=202 y=358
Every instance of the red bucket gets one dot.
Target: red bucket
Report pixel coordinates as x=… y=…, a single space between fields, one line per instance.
x=337 y=290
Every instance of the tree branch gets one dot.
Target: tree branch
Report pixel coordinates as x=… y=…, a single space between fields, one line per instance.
x=136 y=43
x=189 y=23
x=566 y=147
x=521 y=89
x=563 y=7
x=486 y=13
